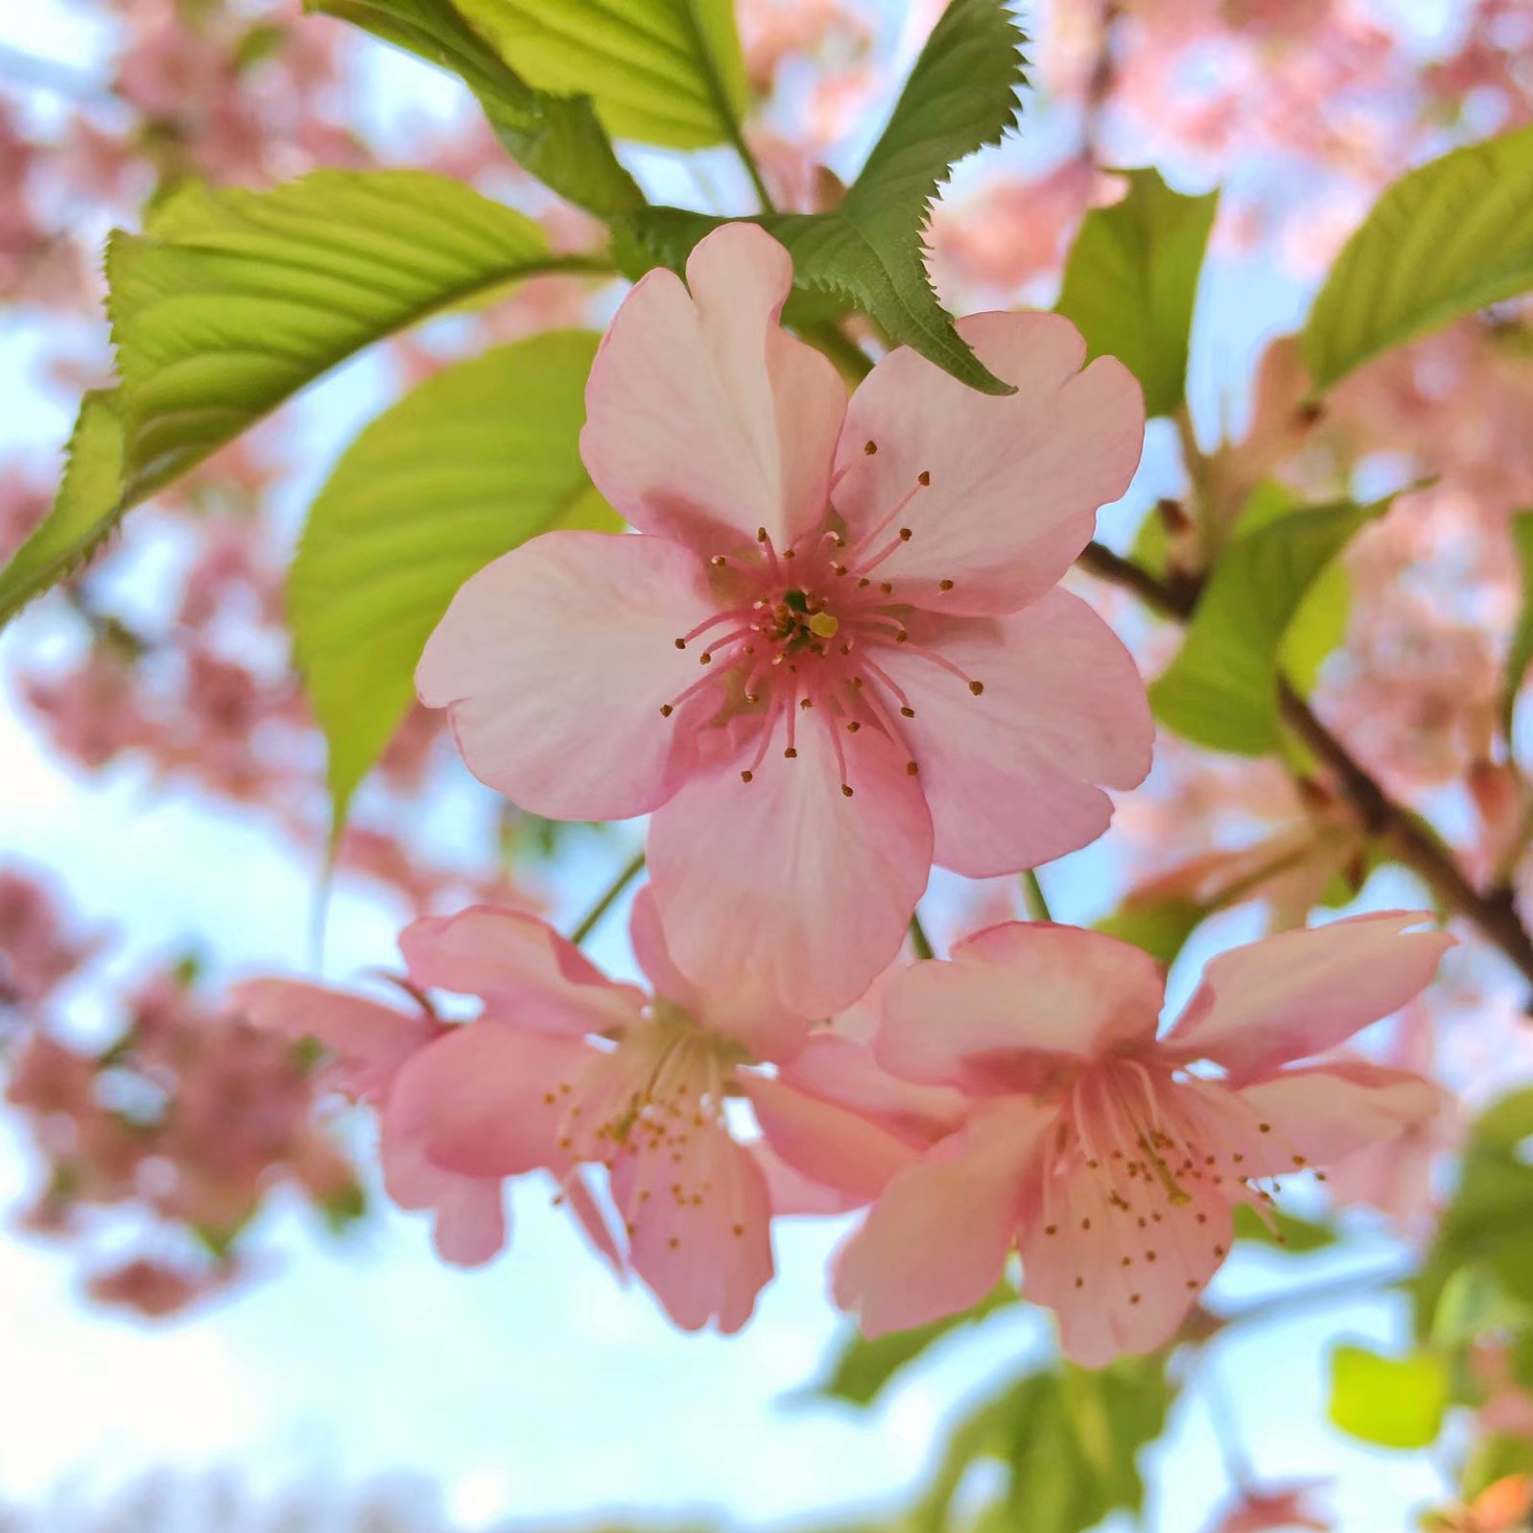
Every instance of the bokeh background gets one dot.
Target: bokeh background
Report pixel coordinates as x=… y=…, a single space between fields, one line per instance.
x=161 y=790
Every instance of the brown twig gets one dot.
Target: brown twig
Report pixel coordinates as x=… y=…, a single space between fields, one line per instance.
x=1409 y=838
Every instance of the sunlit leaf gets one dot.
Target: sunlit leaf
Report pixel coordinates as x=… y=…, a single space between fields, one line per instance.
x=1275 y=1227
x=85 y=511
x=232 y=301
x=1221 y=691
x=1443 y=241
x=557 y=138
x=1131 y=281
x=869 y=253
x=1394 y=1402
x=661 y=71
x=475 y=461
x=1489 y=1223
x=1160 y=926
x=1067 y=1442
x=862 y=1368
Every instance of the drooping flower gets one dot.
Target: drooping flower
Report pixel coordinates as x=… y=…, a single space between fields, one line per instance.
x=565 y=1064
x=1112 y=1157
x=367 y=1045
x=835 y=652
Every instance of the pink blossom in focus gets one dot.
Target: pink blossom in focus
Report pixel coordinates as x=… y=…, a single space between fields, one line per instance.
x=1097 y=1147
x=870 y=592
x=565 y=1065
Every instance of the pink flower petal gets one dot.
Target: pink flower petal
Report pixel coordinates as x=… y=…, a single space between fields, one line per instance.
x=1116 y=1287
x=1015 y=482
x=589 y=1216
x=1302 y=992
x=845 y=1073
x=791 y=1193
x=646 y=937
x=706 y=1251
x=527 y=974
x=554 y=663
x=705 y=419
x=743 y=1010
x=825 y=1142
x=1314 y=1115
x=477 y=1100
x=936 y=1241
x=1012 y=1001
x=1009 y=774
x=470 y=1227
x=370 y=1041
x=786 y=884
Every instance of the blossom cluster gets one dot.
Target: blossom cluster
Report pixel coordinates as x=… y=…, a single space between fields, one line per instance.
x=834 y=652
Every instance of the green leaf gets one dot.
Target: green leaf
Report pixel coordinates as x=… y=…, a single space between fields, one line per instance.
x=1320 y=624
x=85 y=511
x=1274 y=1227
x=1393 y=1402
x=1521 y=651
x=231 y=301
x=1443 y=241
x=1489 y=1224
x=556 y=138
x=1221 y=691
x=473 y=462
x=868 y=254
x=1494 y=1457
x=664 y=72
x=1132 y=278
x=1160 y=926
x=1068 y=1442
x=1473 y=1302
x=862 y=1368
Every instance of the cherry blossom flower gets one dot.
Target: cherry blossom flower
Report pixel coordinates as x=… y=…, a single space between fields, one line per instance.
x=1115 y=1159
x=367 y=1045
x=1274 y=1509
x=566 y=1065
x=836 y=652
x=38 y=950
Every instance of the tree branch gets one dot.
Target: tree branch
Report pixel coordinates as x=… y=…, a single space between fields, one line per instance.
x=1410 y=839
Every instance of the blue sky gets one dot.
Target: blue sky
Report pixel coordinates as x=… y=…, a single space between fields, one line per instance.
x=537 y=1387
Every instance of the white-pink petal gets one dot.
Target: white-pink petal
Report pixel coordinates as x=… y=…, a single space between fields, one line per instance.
x=783 y=883
x=1314 y=1115
x=705 y=419
x=1011 y=775
x=1119 y=1288
x=484 y=1100
x=743 y=1010
x=936 y=1241
x=554 y=663
x=1014 y=1003
x=1302 y=993
x=1015 y=481
x=527 y=974
x=827 y=1143
x=707 y=1251
x=370 y=1041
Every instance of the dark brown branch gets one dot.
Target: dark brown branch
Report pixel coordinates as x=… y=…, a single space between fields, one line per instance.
x=1409 y=838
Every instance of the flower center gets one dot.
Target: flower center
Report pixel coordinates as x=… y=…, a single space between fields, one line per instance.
x=802 y=632
x=664 y=1080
